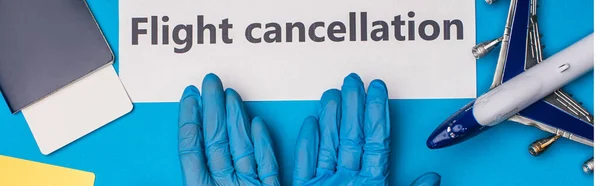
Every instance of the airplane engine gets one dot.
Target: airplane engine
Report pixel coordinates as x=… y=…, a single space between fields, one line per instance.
x=483 y=48
x=538 y=147
x=588 y=166
x=490 y=1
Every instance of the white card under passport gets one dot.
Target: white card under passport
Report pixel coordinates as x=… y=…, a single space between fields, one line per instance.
x=295 y=50
x=77 y=109
x=56 y=68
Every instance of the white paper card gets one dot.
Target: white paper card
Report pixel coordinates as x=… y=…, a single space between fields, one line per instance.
x=421 y=49
x=77 y=109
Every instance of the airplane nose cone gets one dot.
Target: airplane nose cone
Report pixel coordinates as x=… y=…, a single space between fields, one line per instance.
x=457 y=128
x=441 y=138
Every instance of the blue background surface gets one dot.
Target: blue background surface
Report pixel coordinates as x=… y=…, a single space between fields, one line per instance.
x=141 y=148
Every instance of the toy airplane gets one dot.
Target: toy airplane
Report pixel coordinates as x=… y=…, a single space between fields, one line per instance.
x=525 y=89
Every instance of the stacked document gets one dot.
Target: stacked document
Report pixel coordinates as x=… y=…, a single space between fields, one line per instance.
x=56 y=68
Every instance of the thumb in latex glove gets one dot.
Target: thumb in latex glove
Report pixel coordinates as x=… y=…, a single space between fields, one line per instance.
x=349 y=143
x=427 y=179
x=218 y=145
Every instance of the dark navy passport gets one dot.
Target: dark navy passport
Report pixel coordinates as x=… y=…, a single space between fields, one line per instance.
x=46 y=45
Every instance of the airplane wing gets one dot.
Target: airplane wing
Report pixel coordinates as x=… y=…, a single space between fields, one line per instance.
x=558 y=113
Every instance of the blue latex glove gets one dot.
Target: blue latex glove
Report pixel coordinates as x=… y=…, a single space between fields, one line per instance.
x=427 y=179
x=217 y=143
x=349 y=143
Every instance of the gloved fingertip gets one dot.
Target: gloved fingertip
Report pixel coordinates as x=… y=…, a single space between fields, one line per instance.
x=190 y=90
x=232 y=97
x=212 y=76
x=309 y=124
x=352 y=76
x=379 y=85
x=267 y=167
x=259 y=121
x=308 y=138
x=212 y=80
x=306 y=150
x=189 y=106
x=231 y=92
x=213 y=96
x=258 y=128
x=377 y=92
x=353 y=79
x=428 y=179
x=331 y=94
x=330 y=102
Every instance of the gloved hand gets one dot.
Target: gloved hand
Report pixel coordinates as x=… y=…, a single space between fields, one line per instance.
x=217 y=143
x=349 y=143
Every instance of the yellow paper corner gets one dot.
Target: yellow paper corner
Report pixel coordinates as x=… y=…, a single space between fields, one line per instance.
x=20 y=172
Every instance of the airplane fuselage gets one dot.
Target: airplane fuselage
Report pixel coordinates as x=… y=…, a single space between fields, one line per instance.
x=510 y=97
